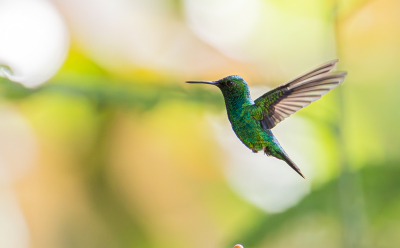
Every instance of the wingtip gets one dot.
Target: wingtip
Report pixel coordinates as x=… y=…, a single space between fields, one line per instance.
x=339 y=73
x=334 y=61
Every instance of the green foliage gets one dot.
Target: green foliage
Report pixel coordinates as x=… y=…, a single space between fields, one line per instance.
x=378 y=204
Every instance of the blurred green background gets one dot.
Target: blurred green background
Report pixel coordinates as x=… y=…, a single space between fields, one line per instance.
x=114 y=150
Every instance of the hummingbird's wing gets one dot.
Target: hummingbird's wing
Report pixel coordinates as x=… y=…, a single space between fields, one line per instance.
x=288 y=98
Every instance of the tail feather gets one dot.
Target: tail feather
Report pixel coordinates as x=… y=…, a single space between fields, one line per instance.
x=278 y=152
x=292 y=164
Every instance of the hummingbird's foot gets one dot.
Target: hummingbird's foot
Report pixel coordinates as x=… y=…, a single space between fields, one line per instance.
x=254 y=150
x=265 y=151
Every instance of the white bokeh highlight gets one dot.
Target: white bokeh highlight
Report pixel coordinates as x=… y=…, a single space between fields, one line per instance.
x=34 y=40
x=226 y=24
x=273 y=39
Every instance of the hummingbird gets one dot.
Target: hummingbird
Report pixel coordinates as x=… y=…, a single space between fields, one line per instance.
x=252 y=121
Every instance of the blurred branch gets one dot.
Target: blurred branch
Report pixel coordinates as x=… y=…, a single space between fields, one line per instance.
x=111 y=94
x=12 y=90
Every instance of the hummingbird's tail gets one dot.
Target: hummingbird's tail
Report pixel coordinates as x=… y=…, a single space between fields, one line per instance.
x=280 y=153
x=277 y=151
x=291 y=164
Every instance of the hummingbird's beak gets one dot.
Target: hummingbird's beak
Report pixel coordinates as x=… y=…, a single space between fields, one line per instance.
x=202 y=82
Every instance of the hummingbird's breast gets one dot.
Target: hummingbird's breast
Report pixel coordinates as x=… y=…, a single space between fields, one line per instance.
x=248 y=129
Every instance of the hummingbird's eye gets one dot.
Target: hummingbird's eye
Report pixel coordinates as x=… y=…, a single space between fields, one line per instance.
x=230 y=83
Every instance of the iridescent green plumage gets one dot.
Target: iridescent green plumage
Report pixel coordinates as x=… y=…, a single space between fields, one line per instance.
x=252 y=121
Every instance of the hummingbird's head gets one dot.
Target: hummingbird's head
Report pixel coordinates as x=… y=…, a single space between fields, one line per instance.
x=231 y=86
